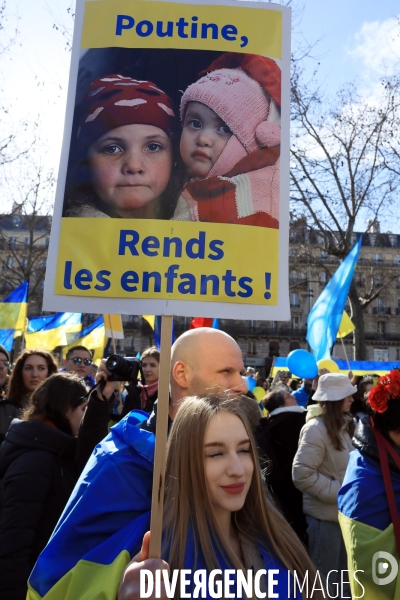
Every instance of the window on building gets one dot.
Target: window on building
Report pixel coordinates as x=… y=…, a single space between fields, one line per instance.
x=294 y=276
x=377 y=280
x=322 y=277
x=323 y=255
x=47 y=241
x=251 y=347
x=12 y=241
x=295 y=322
x=292 y=252
x=381 y=327
x=396 y=260
x=24 y=262
x=377 y=258
x=10 y=262
x=294 y=300
x=273 y=349
x=26 y=241
x=294 y=346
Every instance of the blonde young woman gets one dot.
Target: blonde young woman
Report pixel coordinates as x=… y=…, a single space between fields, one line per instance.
x=217 y=514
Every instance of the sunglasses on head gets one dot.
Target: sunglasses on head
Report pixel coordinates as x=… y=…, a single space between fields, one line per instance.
x=77 y=360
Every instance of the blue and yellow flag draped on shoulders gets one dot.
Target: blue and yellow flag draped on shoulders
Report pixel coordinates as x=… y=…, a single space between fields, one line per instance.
x=367 y=529
x=48 y=332
x=100 y=531
x=13 y=311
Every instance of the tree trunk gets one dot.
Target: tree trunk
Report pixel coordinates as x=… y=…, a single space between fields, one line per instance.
x=359 y=345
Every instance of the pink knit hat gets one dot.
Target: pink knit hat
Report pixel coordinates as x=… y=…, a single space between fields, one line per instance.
x=239 y=88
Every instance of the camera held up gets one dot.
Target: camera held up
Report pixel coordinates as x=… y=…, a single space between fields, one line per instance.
x=124 y=368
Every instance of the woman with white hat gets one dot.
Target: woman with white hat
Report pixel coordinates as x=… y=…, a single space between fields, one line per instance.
x=319 y=468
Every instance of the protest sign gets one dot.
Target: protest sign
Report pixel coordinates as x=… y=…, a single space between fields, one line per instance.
x=173 y=189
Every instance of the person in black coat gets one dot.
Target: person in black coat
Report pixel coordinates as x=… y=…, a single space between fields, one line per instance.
x=40 y=462
x=277 y=439
x=142 y=394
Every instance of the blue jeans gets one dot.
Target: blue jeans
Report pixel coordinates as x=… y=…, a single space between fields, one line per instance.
x=327 y=552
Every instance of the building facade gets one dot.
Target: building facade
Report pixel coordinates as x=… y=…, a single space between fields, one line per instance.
x=23 y=251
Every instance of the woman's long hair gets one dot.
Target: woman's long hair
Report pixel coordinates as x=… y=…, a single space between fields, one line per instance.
x=16 y=391
x=334 y=421
x=54 y=397
x=187 y=505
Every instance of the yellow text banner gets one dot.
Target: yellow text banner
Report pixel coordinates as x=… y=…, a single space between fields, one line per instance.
x=138 y=24
x=173 y=260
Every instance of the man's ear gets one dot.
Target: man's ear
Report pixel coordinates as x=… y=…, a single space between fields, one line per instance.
x=180 y=374
x=64 y=361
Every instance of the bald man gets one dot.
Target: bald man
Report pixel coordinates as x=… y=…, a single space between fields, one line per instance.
x=108 y=513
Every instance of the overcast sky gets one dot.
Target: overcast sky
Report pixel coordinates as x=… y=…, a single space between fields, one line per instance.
x=359 y=40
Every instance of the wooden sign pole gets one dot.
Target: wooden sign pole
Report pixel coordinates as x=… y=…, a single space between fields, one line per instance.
x=157 y=500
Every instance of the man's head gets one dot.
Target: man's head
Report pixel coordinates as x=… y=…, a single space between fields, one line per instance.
x=280 y=396
x=4 y=365
x=205 y=361
x=78 y=360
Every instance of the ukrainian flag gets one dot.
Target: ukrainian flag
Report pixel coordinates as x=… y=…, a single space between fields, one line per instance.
x=367 y=529
x=51 y=331
x=13 y=311
x=114 y=328
x=155 y=324
x=94 y=338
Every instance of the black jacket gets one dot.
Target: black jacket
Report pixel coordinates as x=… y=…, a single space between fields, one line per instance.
x=133 y=400
x=39 y=471
x=364 y=440
x=277 y=439
x=39 y=466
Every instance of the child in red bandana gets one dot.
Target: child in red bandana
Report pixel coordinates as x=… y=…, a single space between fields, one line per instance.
x=125 y=152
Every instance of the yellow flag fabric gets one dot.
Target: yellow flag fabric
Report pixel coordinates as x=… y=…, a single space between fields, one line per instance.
x=48 y=332
x=114 y=328
x=149 y=319
x=95 y=341
x=346 y=326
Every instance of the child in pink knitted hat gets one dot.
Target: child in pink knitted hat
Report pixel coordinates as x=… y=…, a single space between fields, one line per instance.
x=230 y=143
x=124 y=159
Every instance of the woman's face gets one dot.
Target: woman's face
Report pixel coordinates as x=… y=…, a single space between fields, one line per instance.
x=130 y=168
x=228 y=463
x=347 y=402
x=151 y=368
x=34 y=371
x=75 y=416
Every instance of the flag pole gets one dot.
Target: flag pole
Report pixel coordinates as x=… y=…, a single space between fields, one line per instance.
x=157 y=500
x=345 y=353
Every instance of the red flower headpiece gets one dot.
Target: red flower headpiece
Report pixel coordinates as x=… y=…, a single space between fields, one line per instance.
x=387 y=388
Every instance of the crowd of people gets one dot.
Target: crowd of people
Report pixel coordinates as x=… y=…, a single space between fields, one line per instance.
x=306 y=485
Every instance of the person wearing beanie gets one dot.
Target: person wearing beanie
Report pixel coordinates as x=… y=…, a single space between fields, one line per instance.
x=230 y=143
x=369 y=499
x=123 y=156
x=318 y=471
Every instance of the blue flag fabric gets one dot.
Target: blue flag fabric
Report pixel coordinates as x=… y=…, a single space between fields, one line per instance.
x=157 y=332
x=324 y=319
x=13 y=312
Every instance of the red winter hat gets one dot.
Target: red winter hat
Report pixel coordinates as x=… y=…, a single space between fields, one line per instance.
x=115 y=100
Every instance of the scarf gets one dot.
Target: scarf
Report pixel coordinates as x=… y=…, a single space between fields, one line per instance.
x=146 y=391
x=247 y=195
